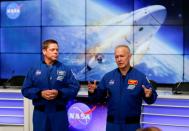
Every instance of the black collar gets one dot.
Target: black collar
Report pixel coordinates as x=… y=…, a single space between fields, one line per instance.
x=52 y=64
x=127 y=72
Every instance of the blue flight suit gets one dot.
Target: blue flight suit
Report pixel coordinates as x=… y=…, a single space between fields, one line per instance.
x=124 y=96
x=50 y=115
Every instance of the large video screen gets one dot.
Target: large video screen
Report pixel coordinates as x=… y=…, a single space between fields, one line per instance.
x=63 y=12
x=17 y=64
x=96 y=66
x=20 y=40
x=161 y=41
x=162 y=68
x=109 y=12
x=70 y=39
x=103 y=39
x=20 y=13
x=173 y=10
x=186 y=39
x=89 y=30
x=77 y=64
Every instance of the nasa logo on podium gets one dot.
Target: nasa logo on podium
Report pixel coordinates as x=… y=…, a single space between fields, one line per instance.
x=79 y=115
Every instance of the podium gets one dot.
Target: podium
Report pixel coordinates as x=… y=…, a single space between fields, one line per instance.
x=28 y=115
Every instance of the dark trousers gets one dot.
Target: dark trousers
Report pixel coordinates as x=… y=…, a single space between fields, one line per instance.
x=52 y=121
x=121 y=127
x=127 y=124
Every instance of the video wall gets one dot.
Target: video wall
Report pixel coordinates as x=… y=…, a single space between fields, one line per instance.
x=88 y=31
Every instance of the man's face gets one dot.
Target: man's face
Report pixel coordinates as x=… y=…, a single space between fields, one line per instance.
x=51 y=53
x=122 y=57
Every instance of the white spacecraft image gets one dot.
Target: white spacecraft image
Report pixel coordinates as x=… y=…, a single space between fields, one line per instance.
x=134 y=29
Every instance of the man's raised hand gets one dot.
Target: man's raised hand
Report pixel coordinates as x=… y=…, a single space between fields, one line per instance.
x=91 y=86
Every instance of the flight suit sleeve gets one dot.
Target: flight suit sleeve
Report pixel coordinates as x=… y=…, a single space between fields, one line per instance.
x=154 y=95
x=71 y=89
x=28 y=89
x=100 y=92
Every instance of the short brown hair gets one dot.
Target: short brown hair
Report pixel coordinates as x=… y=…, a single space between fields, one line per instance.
x=47 y=42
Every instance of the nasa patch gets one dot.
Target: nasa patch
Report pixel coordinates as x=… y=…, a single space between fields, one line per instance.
x=38 y=72
x=111 y=82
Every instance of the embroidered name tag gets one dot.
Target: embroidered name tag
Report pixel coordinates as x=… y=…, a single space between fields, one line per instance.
x=131 y=87
x=61 y=74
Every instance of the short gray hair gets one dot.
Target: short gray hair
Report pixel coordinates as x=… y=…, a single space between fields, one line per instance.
x=124 y=46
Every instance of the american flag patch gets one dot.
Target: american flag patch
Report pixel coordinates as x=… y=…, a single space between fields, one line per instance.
x=132 y=82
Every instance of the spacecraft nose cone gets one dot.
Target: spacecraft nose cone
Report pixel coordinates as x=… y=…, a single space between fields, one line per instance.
x=151 y=15
x=159 y=13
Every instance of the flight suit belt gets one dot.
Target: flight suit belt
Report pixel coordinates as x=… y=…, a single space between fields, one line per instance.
x=127 y=120
x=57 y=108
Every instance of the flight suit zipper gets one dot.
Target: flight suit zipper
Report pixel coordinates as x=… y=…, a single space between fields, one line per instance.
x=122 y=81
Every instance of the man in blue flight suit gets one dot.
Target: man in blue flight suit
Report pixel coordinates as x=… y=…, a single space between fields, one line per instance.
x=124 y=88
x=50 y=85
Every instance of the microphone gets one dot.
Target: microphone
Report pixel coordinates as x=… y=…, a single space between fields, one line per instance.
x=7 y=83
x=176 y=89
